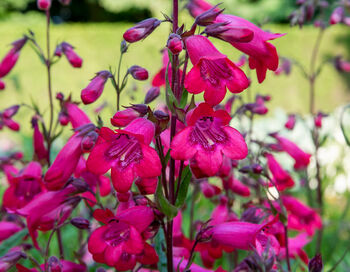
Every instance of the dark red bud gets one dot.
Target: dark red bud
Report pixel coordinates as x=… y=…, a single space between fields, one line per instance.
x=141 y=30
x=17 y=155
x=44 y=4
x=11 y=111
x=175 y=44
x=60 y=96
x=208 y=17
x=138 y=72
x=80 y=223
x=54 y=264
x=257 y=168
x=152 y=94
x=63 y=118
x=89 y=141
x=2 y=85
x=316 y=264
x=161 y=115
x=58 y=51
x=142 y=109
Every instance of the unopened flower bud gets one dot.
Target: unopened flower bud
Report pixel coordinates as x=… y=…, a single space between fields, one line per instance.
x=79 y=184
x=95 y=88
x=54 y=264
x=316 y=264
x=44 y=4
x=17 y=155
x=245 y=169
x=290 y=122
x=13 y=257
x=71 y=56
x=60 y=96
x=229 y=34
x=141 y=30
x=80 y=223
x=161 y=115
x=341 y=65
x=138 y=72
x=175 y=44
x=208 y=17
x=123 y=47
x=11 y=111
x=257 y=168
x=337 y=16
x=2 y=85
x=124 y=117
x=152 y=94
x=318 y=119
x=58 y=51
x=63 y=118
x=89 y=141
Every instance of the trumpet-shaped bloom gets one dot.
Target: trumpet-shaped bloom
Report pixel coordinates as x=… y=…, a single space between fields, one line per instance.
x=302 y=159
x=12 y=56
x=262 y=55
x=119 y=241
x=127 y=153
x=71 y=55
x=301 y=216
x=76 y=116
x=23 y=187
x=95 y=88
x=281 y=178
x=46 y=209
x=40 y=150
x=212 y=71
x=207 y=138
x=7 y=229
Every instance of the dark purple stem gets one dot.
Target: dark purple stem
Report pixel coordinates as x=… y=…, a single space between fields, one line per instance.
x=48 y=67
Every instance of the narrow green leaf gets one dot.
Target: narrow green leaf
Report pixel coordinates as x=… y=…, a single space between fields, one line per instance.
x=13 y=241
x=185 y=182
x=160 y=248
x=183 y=101
x=167 y=157
x=163 y=204
x=170 y=98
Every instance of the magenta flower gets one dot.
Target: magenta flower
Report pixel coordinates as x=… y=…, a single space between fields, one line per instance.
x=300 y=216
x=72 y=57
x=290 y=122
x=44 y=4
x=138 y=72
x=262 y=55
x=40 y=151
x=295 y=248
x=45 y=209
x=207 y=138
x=175 y=44
x=7 y=229
x=95 y=88
x=65 y=163
x=209 y=190
x=127 y=153
x=23 y=187
x=6 y=118
x=2 y=85
x=280 y=177
x=124 y=117
x=197 y=7
x=119 y=242
x=337 y=16
x=212 y=71
x=301 y=158
x=318 y=119
x=12 y=56
x=76 y=116
x=341 y=65
x=245 y=236
x=141 y=30
x=238 y=187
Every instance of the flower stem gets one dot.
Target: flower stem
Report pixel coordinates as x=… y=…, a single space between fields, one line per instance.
x=48 y=67
x=60 y=244
x=287 y=247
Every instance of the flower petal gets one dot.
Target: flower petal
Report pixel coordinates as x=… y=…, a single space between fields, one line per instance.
x=235 y=147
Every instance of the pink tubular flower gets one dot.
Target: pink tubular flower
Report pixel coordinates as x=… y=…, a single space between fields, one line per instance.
x=124 y=117
x=76 y=116
x=23 y=187
x=262 y=55
x=7 y=229
x=119 y=242
x=212 y=71
x=295 y=248
x=95 y=88
x=72 y=57
x=207 y=138
x=337 y=16
x=301 y=158
x=40 y=151
x=6 y=118
x=45 y=209
x=2 y=85
x=127 y=153
x=238 y=187
x=245 y=236
x=65 y=163
x=44 y=4
x=281 y=178
x=197 y=7
x=209 y=190
x=259 y=106
x=141 y=30
x=12 y=56
x=300 y=216
x=290 y=122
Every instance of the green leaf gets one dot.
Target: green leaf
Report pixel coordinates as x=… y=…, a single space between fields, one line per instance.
x=13 y=241
x=163 y=204
x=160 y=248
x=183 y=101
x=184 y=184
x=167 y=158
